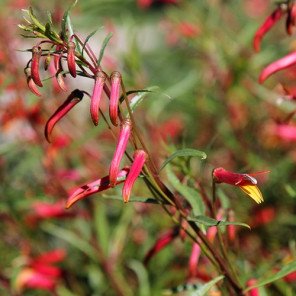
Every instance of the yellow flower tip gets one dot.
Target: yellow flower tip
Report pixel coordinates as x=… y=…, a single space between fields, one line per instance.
x=253 y=191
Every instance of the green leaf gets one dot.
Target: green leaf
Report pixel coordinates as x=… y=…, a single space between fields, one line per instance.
x=187 y=152
x=119 y=234
x=195 y=289
x=49 y=17
x=104 y=44
x=87 y=38
x=290 y=267
x=143 y=278
x=35 y=20
x=72 y=238
x=101 y=226
x=47 y=29
x=136 y=100
x=208 y=221
x=206 y=287
x=130 y=92
x=190 y=194
x=66 y=22
x=132 y=198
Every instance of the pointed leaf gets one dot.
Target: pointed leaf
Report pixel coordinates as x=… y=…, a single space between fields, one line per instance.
x=208 y=221
x=49 y=17
x=104 y=44
x=66 y=22
x=203 y=291
x=136 y=100
x=149 y=200
x=72 y=238
x=187 y=152
x=35 y=20
x=142 y=275
x=87 y=38
x=290 y=267
x=190 y=194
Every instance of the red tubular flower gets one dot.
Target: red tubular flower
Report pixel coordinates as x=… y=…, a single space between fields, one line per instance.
x=283 y=63
x=263 y=216
x=245 y=182
x=94 y=187
x=124 y=135
x=44 y=210
x=74 y=98
x=40 y=273
x=266 y=26
x=193 y=261
x=31 y=84
x=36 y=54
x=286 y=132
x=71 y=58
x=164 y=240
x=140 y=157
x=96 y=96
x=57 y=56
x=53 y=256
x=114 y=96
x=254 y=291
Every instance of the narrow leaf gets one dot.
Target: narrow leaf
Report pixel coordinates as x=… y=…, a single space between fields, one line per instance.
x=35 y=20
x=149 y=200
x=190 y=194
x=143 y=278
x=290 y=267
x=203 y=291
x=66 y=22
x=87 y=38
x=71 y=238
x=104 y=44
x=187 y=152
x=49 y=17
x=208 y=221
x=130 y=92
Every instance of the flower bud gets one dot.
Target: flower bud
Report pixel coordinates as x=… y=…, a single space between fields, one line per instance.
x=36 y=54
x=123 y=138
x=96 y=96
x=140 y=157
x=71 y=58
x=266 y=26
x=31 y=84
x=114 y=96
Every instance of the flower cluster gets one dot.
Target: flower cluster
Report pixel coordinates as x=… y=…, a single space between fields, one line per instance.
x=66 y=54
